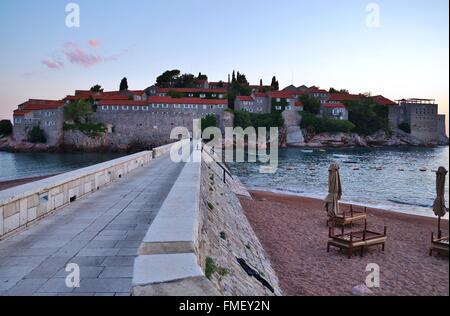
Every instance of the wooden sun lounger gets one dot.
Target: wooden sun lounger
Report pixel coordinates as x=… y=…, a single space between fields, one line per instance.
x=440 y=245
x=348 y=218
x=357 y=241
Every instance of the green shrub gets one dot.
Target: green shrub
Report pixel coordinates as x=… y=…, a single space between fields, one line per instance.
x=209 y=121
x=315 y=124
x=89 y=129
x=37 y=135
x=405 y=127
x=6 y=128
x=245 y=119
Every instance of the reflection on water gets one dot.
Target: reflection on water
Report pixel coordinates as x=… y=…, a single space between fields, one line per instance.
x=382 y=177
x=24 y=165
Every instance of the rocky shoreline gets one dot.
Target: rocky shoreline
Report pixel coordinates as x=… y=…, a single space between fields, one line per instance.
x=287 y=138
x=342 y=140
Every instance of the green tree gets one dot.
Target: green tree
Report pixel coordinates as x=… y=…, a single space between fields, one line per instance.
x=168 y=79
x=405 y=127
x=123 y=84
x=202 y=76
x=77 y=111
x=310 y=104
x=274 y=84
x=367 y=116
x=96 y=88
x=209 y=121
x=37 y=135
x=175 y=94
x=6 y=128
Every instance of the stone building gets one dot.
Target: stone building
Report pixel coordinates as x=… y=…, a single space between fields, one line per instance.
x=152 y=121
x=46 y=114
x=420 y=114
x=261 y=103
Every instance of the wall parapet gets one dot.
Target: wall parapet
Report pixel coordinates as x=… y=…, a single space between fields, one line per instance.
x=23 y=205
x=168 y=261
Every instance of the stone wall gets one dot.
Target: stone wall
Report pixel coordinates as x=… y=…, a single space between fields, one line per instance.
x=192 y=246
x=23 y=205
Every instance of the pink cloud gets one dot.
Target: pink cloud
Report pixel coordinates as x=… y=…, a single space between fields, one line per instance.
x=52 y=63
x=76 y=55
x=94 y=43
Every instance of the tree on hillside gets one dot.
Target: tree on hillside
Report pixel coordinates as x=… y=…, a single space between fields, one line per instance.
x=6 y=128
x=274 y=84
x=233 y=77
x=185 y=81
x=260 y=82
x=37 y=135
x=96 y=88
x=168 y=78
x=310 y=104
x=202 y=76
x=367 y=116
x=77 y=111
x=123 y=84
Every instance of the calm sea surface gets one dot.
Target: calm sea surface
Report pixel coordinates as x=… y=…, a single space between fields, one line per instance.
x=25 y=165
x=384 y=177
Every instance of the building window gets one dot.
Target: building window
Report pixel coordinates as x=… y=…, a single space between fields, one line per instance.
x=105 y=107
x=220 y=96
x=289 y=107
x=125 y=108
x=278 y=100
x=17 y=120
x=278 y=108
x=202 y=95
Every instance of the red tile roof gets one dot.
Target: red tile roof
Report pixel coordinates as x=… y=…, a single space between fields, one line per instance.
x=344 y=97
x=244 y=98
x=260 y=94
x=123 y=102
x=36 y=105
x=379 y=99
x=284 y=94
x=334 y=106
x=192 y=90
x=21 y=112
x=299 y=104
x=169 y=100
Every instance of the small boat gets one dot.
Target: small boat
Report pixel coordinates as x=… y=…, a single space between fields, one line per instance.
x=350 y=162
x=379 y=168
x=401 y=169
x=340 y=156
x=423 y=169
x=307 y=151
x=356 y=169
x=322 y=150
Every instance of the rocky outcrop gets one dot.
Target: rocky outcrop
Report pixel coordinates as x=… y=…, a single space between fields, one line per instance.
x=294 y=135
x=379 y=139
x=76 y=140
x=12 y=145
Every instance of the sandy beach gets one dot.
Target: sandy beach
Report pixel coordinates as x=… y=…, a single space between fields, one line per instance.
x=293 y=231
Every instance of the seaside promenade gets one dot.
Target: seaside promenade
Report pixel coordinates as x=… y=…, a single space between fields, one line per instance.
x=101 y=233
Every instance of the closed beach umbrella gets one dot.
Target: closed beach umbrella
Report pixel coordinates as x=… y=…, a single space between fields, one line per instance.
x=439 y=204
x=334 y=191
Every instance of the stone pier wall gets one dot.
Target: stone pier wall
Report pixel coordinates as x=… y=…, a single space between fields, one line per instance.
x=23 y=205
x=191 y=248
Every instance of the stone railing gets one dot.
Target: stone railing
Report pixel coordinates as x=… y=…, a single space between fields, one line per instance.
x=162 y=150
x=168 y=256
x=25 y=204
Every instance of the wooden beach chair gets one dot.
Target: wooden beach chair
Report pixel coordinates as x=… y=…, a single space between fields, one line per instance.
x=439 y=244
x=349 y=217
x=356 y=241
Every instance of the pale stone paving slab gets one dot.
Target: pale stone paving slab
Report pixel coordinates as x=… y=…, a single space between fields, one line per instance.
x=101 y=233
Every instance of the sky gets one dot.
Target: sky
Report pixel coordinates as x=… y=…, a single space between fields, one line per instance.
x=396 y=48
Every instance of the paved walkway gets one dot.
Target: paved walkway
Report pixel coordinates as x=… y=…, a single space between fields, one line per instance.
x=101 y=233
